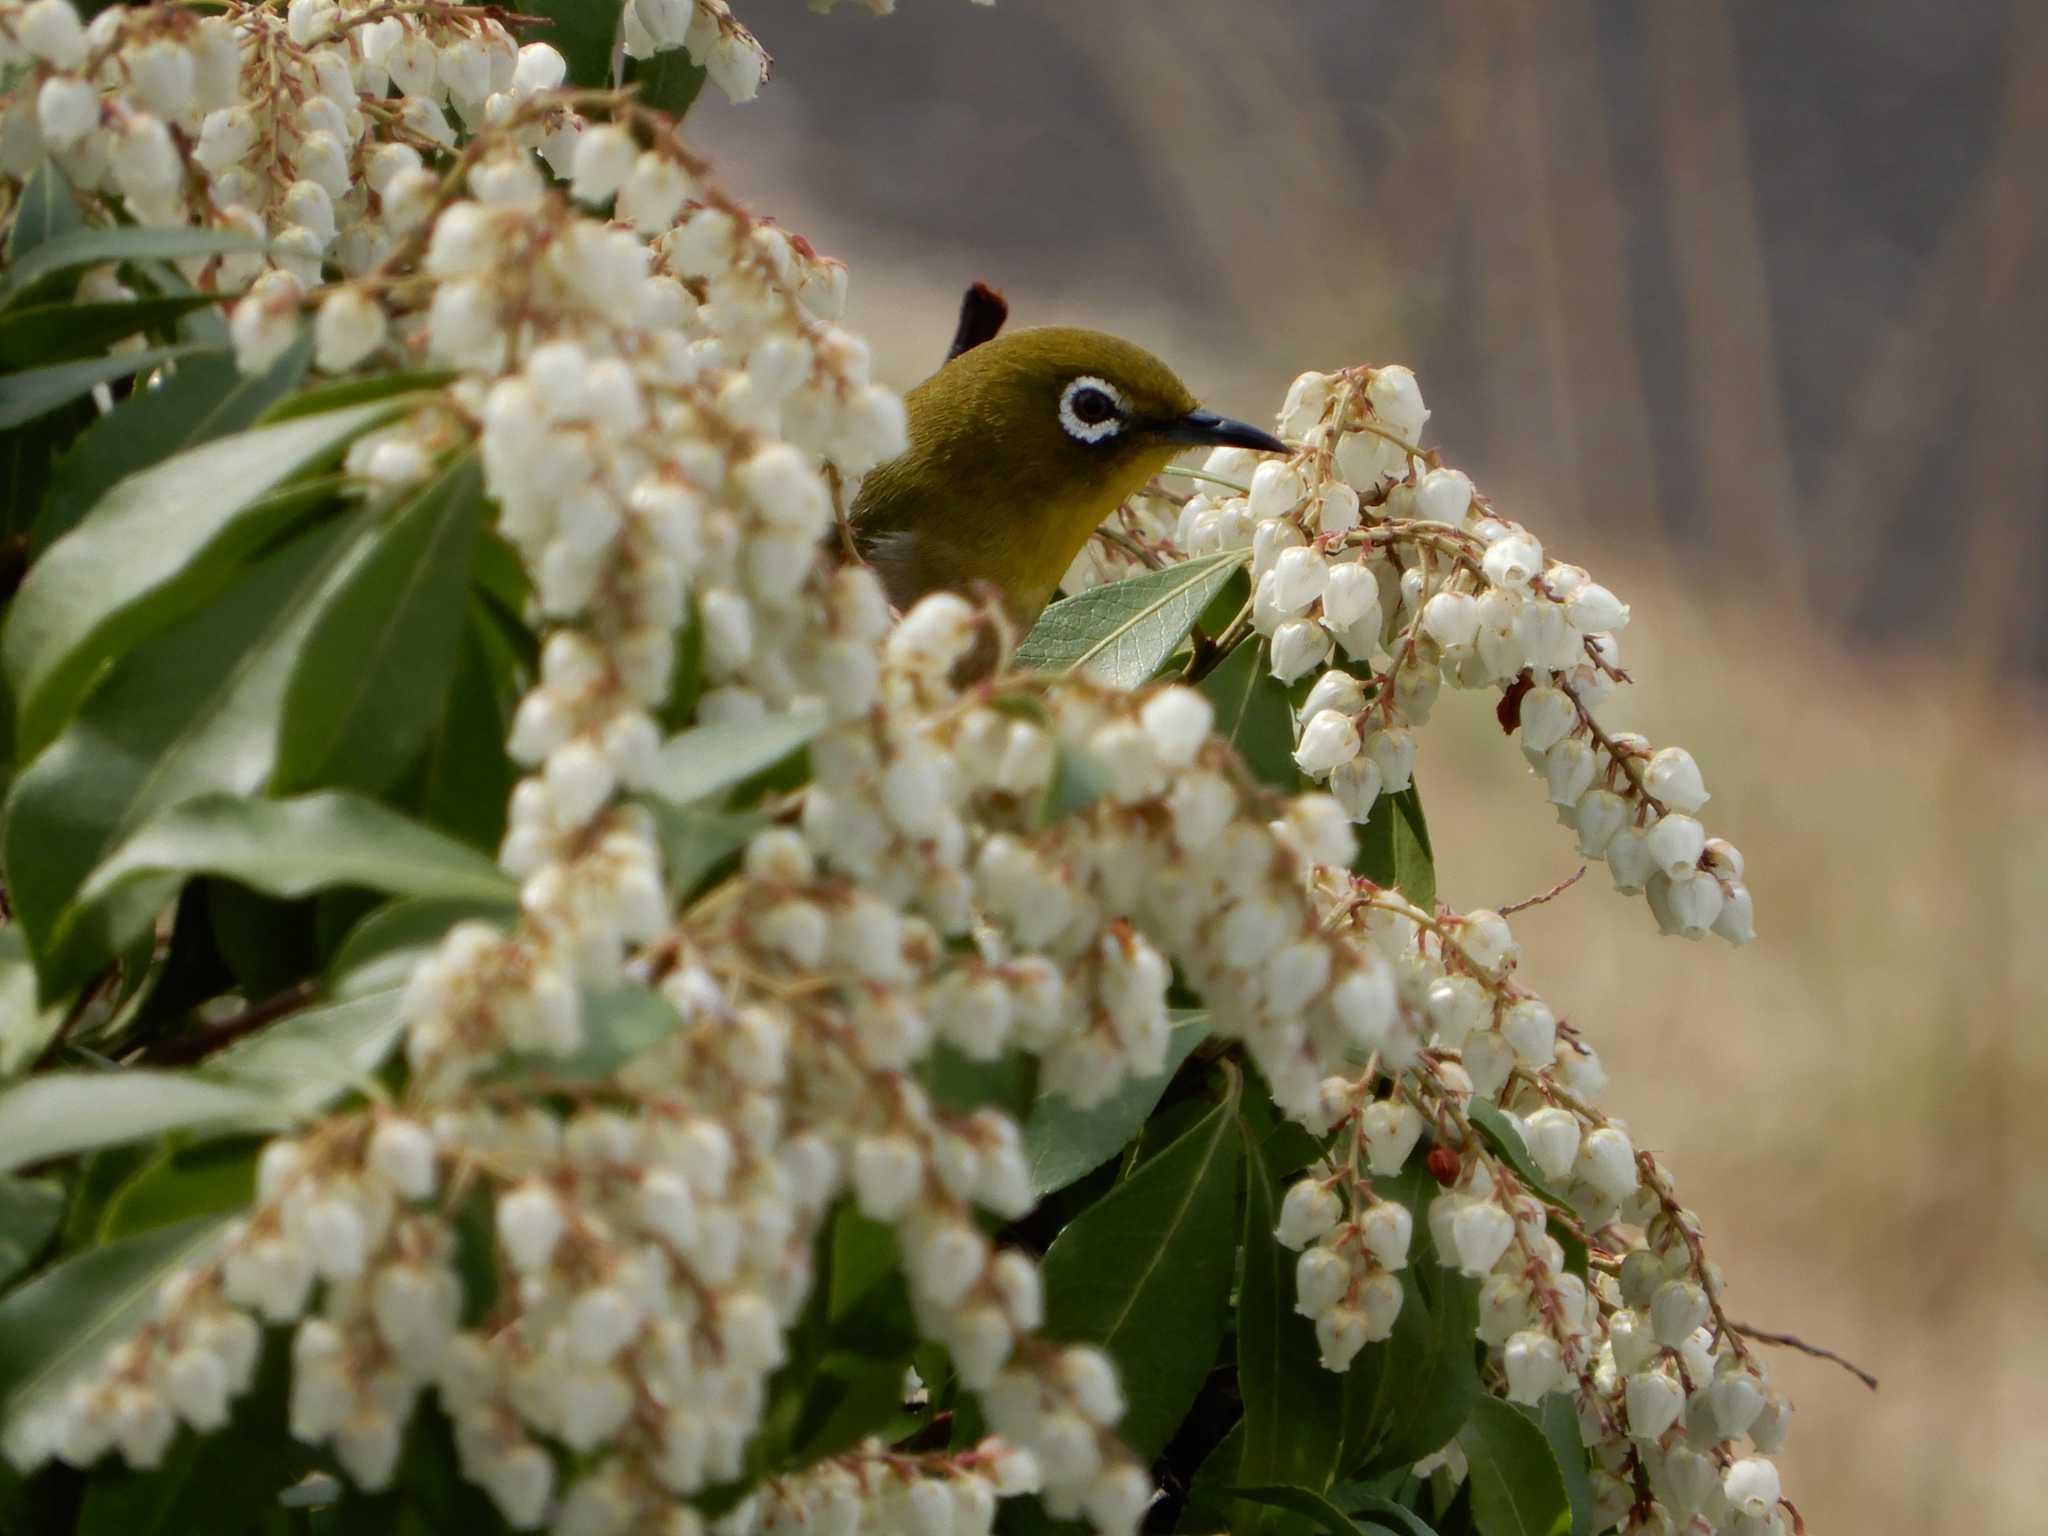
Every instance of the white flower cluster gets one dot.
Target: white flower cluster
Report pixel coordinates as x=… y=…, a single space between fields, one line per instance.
x=1383 y=570
x=874 y=1492
x=664 y=406
x=1661 y=1380
x=313 y=124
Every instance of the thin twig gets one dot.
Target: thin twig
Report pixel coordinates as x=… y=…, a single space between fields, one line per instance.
x=1793 y=1341
x=182 y=1050
x=1552 y=894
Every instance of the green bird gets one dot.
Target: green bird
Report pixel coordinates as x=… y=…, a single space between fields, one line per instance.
x=1020 y=446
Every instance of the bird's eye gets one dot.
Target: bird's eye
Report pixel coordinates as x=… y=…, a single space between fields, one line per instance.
x=1091 y=409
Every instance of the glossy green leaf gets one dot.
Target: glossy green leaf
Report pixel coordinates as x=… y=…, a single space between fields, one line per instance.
x=181 y=1182
x=307 y=1060
x=582 y=33
x=195 y=712
x=400 y=928
x=1560 y=1425
x=1517 y=1489
x=25 y=396
x=55 y=1114
x=1313 y=1506
x=1393 y=848
x=668 y=82
x=617 y=1026
x=30 y=1210
x=203 y=398
x=46 y=211
x=1209 y=1502
x=695 y=842
x=160 y=544
x=1252 y=714
x=708 y=759
x=123 y=242
x=47 y=333
x=464 y=778
x=25 y=1025
x=1063 y=1142
x=292 y=848
x=1145 y=1273
x=29 y=459
x=346 y=394
x=1120 y=633
x=374 y=678
x=61 y=1324
x=1354 y=1499
x=1293 y=1408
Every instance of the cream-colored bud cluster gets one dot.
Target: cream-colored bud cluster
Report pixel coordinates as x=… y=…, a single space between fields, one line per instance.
x=1384 y=574
x=665 y=411
x=1662 y=1382
x=875 y=1492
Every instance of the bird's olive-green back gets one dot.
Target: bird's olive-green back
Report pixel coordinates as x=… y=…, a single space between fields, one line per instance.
x=993 y=486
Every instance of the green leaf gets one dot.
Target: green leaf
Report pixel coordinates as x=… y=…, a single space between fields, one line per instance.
x=1063 y=1142
x=668 y=82
x=1145 y=1273
x=345 y=394
x=292 y=848
x=1252 y=714
x=195 y=712
x=582 y=33
x=374 y=677
x=61 y=1324
x=307 y=1060
x=1517 y=1489
x=1393 y=848
x=1560 y=1423
x=1209 y=1501
x=123 y=242
x=25 y=396
x=47 y=211
x=30 y=1210
x=204 y=398
x=695 y=842
x=29 y=457
x=44 y=333
x=25 y=1026
x=55 y=1114
x=1304 y=1502
x=401 y=928
x=617 y=1026
x=180 y=1183
x=1119 y=633
x=1406 y=1398
x=1293 y=1408
x=710 y=758
x=1352 y=1499
x=159 y=545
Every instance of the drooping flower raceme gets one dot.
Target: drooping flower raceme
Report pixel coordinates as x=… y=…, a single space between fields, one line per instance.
x=665 y=408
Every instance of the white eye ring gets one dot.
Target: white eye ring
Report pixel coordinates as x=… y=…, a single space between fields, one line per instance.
x=1091 y=431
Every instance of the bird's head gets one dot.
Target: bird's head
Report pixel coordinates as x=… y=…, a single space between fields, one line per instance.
x=1019 y=448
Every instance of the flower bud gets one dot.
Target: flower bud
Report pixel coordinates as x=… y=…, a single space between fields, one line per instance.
x=1328 y=740
x=1298 y=647
x=1307 y=1213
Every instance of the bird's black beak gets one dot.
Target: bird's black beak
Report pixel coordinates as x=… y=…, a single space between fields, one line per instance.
x=1205 y=429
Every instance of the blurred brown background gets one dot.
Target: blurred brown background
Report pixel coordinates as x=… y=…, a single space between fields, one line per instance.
x=1744 y=305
